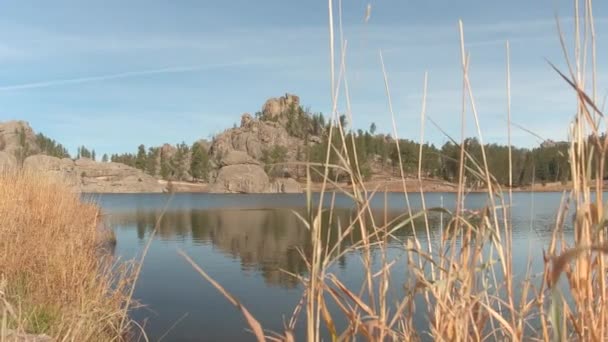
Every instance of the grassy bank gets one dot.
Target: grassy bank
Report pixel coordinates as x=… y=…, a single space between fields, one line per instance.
x=57 y=276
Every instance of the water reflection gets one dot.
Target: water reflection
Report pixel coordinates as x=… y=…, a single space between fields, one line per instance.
x=244 y=247
x=266 y=241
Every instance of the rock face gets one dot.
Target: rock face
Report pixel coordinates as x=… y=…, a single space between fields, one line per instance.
x=8 y=162
x=87 y=175
x=114 y=177
x=236 y=158
x=62 y=169
x=240 y=178
x=245 y=145
x=256 y=142
x=237 y=153
x=253 y=137
x=274 y=108
x=285 y=186
x=15 y=135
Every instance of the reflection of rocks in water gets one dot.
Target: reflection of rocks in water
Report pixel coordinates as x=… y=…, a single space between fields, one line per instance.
x=263 y=240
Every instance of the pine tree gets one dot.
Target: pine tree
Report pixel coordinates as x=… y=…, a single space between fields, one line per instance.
x=199 y=162
x=151 y=160
x=178 y=162
x=104 y=158
x=343 y=122
x=50 y=147
x=83 y=152
x=93 y=155
x=24 y=148
x=140 y=160
x=165 y=167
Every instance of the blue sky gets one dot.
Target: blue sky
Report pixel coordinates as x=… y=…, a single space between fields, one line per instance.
x=113 y=74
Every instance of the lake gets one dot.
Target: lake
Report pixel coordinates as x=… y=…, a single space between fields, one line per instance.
x=243 y=242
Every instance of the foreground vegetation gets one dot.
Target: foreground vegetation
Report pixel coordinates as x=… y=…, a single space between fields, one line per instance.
x=462 y=284
x=57 y=276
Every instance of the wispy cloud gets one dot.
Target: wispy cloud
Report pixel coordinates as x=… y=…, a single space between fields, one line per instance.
x=127 y=74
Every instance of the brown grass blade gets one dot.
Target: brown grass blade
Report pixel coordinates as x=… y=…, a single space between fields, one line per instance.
x=329 y=322
x=351 y=295
x=578 y=90
x=560 y=262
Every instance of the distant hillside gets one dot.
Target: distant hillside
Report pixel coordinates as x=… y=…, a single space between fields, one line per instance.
x=266 y=152
x=283 y=134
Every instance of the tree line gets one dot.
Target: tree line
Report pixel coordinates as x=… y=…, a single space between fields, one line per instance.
x=44 y=144
x=181 y=162
x=368 y=150
x=372 y=152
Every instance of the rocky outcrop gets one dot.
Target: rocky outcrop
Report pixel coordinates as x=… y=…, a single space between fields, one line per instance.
x=8 y=162
x=236 y=158
x=86 y=175
x=240 y=178
x=253 y=137
x=255 y=143
x=241 y=150
x=114 y=177
x=61 y=169
x=285 y=186
x=274 y=108
x=15 y=136
x=246 y=144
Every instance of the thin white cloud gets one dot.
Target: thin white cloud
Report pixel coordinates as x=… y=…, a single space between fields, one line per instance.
x=127 y=74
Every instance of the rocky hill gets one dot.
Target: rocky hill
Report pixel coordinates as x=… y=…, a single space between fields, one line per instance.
x=20 y=148
x=251 y=158
x=242 y=157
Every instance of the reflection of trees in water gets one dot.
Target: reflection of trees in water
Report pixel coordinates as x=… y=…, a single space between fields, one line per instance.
x=263 y=240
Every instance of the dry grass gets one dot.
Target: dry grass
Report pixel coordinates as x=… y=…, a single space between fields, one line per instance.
x=57 y=276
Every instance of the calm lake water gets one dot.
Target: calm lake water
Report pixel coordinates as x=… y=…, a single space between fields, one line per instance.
x=243 y=241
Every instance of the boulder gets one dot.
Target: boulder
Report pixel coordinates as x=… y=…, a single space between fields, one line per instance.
x=240 y=178
x=114 y=177
x=61 y=169
x=86 y=175
x=8 y=162
x=236 y=158
x=285 y=186
x=314 y=139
